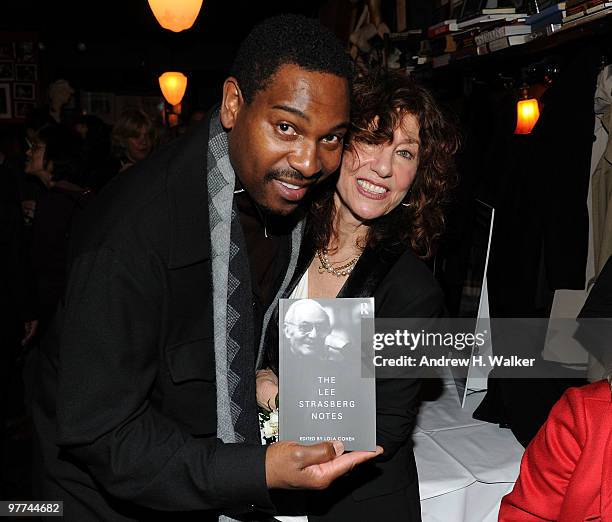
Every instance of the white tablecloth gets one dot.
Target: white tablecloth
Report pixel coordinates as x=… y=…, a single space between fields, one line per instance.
x=465 y=466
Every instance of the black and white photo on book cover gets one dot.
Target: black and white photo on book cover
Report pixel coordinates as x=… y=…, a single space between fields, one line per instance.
x=323 y=395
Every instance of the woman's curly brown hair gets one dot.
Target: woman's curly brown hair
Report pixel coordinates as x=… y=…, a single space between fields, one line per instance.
x=390 y=96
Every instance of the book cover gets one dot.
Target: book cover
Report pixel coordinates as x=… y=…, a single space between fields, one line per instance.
x=490 y=18
x=553 y=18
x=595 y=7
x=499 y=10
x=500 y=32
x=575 y=10
x=508 y=41
x=545 y=30
x=585 y=19
x=442 y=28
x=573 y=15
x=323 y=395
x=553 y=10
x=467 y=37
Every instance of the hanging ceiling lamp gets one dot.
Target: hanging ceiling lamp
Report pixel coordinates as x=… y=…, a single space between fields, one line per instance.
x=173 y=85
x=176 y=15
x=527 y=113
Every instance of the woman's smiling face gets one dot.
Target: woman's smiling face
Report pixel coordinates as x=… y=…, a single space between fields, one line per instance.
x=374 y=179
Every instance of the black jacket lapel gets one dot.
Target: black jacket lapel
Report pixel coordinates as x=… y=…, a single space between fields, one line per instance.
x=188 y=198
x=368 y=273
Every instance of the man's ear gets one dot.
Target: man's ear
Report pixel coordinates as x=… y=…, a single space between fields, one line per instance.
x=232 y=102
x=286 y=331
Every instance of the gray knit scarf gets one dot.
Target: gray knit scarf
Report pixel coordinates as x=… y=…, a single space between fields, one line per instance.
x=221 y=183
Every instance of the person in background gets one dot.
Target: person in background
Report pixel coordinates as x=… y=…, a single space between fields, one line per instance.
x=31 y=188
x=133 y=137
x=368 y=232
x=60 y=94
x=566 y=471
x=55 y=159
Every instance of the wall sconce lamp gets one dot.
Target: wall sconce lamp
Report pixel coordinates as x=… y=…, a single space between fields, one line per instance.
x=540 y=75
x=176 y=15
x=527 y=112
x=173 y=86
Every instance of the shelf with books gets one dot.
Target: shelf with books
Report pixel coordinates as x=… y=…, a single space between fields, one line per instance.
x=484 y=46
x=585 y=12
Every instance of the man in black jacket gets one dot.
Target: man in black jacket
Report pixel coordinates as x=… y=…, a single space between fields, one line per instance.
x=144 y=404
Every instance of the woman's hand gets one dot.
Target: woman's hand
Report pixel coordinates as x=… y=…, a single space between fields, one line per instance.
x=267 y=389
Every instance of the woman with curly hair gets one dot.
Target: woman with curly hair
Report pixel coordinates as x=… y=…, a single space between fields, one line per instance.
x=367 y=234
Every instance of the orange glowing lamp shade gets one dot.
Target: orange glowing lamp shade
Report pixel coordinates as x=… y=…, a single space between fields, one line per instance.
x=527 y=114
x=173 y=85
x=176 y=15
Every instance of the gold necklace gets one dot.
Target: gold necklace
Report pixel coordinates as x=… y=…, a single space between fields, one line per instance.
x=339 y=271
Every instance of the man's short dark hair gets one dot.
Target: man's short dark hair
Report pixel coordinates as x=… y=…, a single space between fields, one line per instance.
x=287 y=39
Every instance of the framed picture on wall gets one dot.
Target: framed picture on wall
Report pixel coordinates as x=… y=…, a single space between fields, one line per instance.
x=101 y=104
x=24 y=91
x=25 y=73
x=5 y=101
x=7 y=52
x=7 y=71
x=23 y=108
x=24 y=52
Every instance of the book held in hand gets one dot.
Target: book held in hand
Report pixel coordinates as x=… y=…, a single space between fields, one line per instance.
x=323 y=395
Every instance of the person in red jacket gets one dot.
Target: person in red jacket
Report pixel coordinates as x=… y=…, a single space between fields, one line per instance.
x=566 y=471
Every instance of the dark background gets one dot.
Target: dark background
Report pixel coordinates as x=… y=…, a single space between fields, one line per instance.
x=124 y=49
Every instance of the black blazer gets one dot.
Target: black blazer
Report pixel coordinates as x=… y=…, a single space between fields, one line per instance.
x=386 y=489
x=124 y=402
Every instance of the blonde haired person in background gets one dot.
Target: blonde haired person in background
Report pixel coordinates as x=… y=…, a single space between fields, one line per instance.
x=133 y=137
